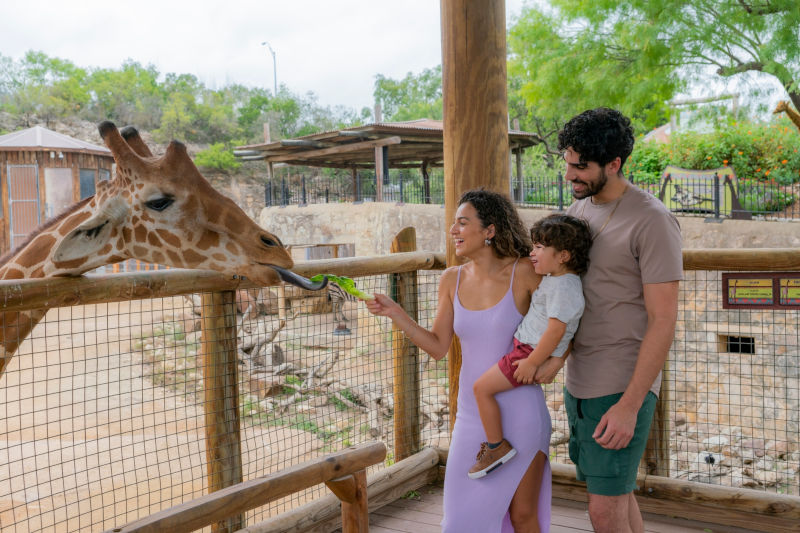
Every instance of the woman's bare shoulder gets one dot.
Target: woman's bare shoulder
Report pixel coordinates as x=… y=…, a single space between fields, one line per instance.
x=527 y=275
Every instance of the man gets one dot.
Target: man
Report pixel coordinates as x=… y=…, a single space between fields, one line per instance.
x=631 y=293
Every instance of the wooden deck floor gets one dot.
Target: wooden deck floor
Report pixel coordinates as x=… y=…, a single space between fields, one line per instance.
x=423 y=513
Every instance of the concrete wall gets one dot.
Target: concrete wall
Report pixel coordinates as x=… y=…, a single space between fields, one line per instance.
x=372 y=226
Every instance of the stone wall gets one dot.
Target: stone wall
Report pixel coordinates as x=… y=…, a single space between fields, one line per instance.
x=372 y=226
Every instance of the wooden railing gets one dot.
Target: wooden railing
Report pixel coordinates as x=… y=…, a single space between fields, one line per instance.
x=664 y=494
x=343 y=472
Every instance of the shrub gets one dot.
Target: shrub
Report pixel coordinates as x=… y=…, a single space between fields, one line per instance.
x=217 y=157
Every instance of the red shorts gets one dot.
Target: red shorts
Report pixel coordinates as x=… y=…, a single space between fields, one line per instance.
x=519 y=351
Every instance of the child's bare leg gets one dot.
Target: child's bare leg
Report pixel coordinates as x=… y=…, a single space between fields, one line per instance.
x=490 y=383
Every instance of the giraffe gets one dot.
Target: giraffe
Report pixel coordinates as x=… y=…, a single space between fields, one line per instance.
x=156 y=209
x=783 y=106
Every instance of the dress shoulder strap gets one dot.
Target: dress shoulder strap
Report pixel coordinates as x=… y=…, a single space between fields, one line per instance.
x=513 y=271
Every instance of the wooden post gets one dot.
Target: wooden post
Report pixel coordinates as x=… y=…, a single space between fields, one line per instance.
x=405 y=356
x=270 y=170
x=379 y=163
x=352 y=491
x=221 y=384
x=656 y=457
x=475 y=116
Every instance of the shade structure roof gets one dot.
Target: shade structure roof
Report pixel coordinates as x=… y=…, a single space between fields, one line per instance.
x=39 y=138
x=410 y=144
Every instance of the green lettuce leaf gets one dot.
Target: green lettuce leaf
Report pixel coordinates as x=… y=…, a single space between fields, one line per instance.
x=347 y=284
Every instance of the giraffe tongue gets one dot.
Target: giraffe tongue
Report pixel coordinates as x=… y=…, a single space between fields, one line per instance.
x=290 y=277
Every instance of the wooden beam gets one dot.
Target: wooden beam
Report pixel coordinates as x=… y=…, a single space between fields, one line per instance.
x=475 y=116
x=247 y=495
x=351 y=147
x=383 y=487
x=306 y=143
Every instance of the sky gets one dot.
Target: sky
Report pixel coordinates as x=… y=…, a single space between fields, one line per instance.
x=333 y=48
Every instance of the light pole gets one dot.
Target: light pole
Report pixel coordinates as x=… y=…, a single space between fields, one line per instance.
x=274 y=67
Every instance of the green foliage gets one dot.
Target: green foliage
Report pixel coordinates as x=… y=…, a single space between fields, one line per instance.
x=217 y=157
x=415 y=96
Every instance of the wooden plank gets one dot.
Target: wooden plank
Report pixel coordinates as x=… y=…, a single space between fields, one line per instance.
x=759 y=259
x=248 y=495
x=352 y=147
x=221 y=405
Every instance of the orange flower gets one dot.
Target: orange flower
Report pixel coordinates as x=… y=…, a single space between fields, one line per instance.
x=758 y=169
x=784 y=161
x=766 y=172
x=724 y=161
x=740 y=153
x=709 y=157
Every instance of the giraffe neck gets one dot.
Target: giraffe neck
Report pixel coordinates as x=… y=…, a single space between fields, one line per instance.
x=34 y=259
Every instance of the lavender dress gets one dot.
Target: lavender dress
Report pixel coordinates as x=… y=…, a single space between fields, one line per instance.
x=481 y=505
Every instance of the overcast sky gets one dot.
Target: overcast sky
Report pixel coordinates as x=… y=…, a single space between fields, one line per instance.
x=331 y=47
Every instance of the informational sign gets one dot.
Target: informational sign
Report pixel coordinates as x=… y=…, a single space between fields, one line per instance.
x=761 y=290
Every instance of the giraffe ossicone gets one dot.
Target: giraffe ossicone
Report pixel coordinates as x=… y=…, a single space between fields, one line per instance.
x=155 y=209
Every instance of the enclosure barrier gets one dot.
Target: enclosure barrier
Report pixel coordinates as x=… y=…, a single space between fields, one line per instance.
x=343 y=472
x=25 y=507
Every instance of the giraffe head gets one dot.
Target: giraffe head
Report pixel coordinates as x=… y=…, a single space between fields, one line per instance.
x=162 y=210
x=782 y=106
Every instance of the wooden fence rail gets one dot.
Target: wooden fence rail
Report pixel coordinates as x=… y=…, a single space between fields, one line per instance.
x=344 y=472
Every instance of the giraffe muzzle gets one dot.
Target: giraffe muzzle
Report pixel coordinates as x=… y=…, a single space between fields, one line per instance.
x=295 y=279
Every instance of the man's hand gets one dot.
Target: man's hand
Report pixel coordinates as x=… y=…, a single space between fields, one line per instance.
x=525 y=371
x=615 y=429
x=547 y=371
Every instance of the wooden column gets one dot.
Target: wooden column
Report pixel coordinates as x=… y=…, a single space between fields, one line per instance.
x=270 y=168
x=405 y=356
x=221 y=384
x=379 y=160
x=475 y=116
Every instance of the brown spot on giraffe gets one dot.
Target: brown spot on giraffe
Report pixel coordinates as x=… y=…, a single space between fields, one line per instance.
x=169 y=237
x=174 y=257
x=72 y=222
x=36 y=252
x=139 y=233
x=153 y=240
x=140 y=252
x=158 y=258
x=106 y=249
x=192 y=257
x=13 y=273
x=209 y=239
x=126 y=234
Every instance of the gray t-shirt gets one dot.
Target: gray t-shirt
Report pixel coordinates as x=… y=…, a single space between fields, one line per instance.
x=640 y=244
x=559 y=297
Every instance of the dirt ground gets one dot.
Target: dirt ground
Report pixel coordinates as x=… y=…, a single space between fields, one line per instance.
x=88 y=443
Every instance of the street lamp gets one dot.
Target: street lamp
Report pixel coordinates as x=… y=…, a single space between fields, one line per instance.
x=274 y=67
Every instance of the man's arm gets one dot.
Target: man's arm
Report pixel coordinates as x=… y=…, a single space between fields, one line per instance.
x=615 y=429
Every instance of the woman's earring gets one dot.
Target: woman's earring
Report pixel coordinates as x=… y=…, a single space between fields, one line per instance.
x=487 y=242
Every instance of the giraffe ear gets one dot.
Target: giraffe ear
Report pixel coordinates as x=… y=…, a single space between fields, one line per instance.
x=91 y=236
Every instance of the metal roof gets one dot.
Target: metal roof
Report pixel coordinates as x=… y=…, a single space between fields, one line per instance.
x=39 y=138
x=410 y=144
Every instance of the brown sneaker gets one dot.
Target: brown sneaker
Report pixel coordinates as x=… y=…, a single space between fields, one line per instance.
x=489 y=459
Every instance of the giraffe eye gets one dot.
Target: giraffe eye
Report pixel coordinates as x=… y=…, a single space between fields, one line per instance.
x=159 y=204
x=269 y=241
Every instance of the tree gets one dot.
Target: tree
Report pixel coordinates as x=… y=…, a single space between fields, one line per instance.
x=415 y=96
x=637 y=54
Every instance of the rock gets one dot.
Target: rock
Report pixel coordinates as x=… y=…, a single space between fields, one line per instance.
x=715 y=444
x=557 y=438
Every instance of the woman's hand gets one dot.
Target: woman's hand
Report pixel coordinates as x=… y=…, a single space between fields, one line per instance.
x=525 y=372
x=382 y=305
x=547 y=371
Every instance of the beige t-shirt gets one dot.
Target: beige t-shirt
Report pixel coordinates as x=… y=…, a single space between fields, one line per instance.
x=640 y=244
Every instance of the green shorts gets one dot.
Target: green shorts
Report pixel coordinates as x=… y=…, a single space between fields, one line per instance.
x=606 y=472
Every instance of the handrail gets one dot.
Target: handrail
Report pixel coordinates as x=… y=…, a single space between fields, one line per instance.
x=332 y=469
x=23 y=294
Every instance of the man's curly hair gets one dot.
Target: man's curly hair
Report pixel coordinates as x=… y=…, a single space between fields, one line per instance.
x=510 y=238
x=598 y=135
x=565 y=232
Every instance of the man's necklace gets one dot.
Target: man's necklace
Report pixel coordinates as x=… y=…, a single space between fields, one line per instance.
x=609 y=215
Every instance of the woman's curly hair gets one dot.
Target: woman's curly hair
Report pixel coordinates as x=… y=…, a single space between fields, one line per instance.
x=598 y=135
x=565 y=232
x=510 y=238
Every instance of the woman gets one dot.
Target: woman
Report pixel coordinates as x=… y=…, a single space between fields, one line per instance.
x=482 y=302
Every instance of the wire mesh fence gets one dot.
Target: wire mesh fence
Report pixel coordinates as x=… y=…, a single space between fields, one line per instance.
x=105 y=418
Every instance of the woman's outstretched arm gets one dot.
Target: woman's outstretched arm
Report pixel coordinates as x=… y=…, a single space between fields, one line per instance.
x=435 y=341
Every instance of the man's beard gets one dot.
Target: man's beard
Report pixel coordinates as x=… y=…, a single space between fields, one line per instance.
x=591 y=188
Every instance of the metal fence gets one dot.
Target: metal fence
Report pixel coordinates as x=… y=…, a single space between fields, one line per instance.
x=107 y=412
x=703 y=196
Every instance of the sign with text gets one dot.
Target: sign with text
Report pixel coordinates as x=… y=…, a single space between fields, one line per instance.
x=761 y=290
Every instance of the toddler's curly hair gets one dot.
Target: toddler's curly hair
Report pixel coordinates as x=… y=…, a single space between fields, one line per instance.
x=565 y=232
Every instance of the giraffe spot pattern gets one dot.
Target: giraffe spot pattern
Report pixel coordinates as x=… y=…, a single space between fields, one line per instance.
x=153 y=240
x=73 y=222
x=140 y=252
x=158 y=257
x=232 y=248
x=192 y=257
x=219 y=257
x=175 y=258
x=13 y=273
x=126 y=234
x=169 y=237
x=140 y=233
x=36 y=252
x=208 y=240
